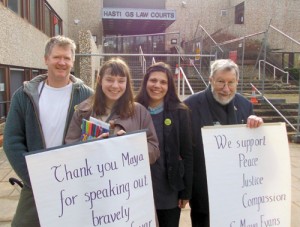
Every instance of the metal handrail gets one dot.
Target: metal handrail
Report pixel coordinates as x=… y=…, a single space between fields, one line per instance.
x=153 y=61
x=142 y=60
x=201 y=77
x=184 y=79
x=178 y=49
x=274 y=70
x=143 y=54
x=211 y=38
x=266 y=99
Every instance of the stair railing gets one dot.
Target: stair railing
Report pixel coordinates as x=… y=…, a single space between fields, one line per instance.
x=181 y=72
x=274 y=70
x=266 y=99
x=180 y=51
x=142 y=60
x=199 y=74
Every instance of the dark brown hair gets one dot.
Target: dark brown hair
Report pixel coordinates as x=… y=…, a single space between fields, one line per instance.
x=171 y=99
x=124 y=106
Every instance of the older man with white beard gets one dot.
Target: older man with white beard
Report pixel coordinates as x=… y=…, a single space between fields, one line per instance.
x=219 y=104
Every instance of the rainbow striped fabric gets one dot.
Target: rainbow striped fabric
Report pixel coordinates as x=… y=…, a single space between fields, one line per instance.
x=92 y=128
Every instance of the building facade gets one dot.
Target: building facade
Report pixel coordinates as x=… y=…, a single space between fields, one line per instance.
x=123 y=26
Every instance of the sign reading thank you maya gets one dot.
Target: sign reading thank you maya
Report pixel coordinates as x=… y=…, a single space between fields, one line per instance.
x=248 y=175
x=99 y=183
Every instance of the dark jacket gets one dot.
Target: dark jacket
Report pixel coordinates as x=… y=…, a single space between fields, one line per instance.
x=178 y=150
x=23 y=132
x=202 y=116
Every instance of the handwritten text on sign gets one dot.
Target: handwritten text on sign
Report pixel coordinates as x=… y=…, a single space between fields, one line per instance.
x=99 y=183
x=248 y=174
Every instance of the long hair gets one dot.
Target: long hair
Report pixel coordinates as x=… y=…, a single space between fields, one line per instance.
x=124 y=106
x=171 y=99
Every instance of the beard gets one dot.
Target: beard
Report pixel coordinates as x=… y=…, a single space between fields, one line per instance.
x=221 y=100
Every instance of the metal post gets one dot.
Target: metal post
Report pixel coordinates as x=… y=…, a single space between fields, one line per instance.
x=265 y=58
x=296 y=138
x=178 y=75
x=242 y=71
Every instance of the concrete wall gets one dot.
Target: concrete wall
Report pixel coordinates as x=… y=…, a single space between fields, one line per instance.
x=89 y=65
x=89 y=16
x=283 y=14
x=22 y=44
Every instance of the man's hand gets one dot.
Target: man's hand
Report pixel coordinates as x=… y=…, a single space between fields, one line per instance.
x=254 y=121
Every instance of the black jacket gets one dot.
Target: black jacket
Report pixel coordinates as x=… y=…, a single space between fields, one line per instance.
x=178 y=151
x=201 y=116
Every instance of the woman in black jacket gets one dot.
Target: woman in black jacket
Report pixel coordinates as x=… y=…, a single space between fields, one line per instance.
x=172 y=173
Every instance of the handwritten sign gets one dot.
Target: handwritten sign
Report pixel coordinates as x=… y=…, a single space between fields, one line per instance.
x=248 y=174
x=99 y=183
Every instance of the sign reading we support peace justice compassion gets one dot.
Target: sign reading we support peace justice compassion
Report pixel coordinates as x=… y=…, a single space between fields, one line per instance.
x=248 y=175
x=99 y=183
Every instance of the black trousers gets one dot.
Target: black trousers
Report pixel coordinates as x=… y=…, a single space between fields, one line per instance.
x=199 y=219
x=169 y=217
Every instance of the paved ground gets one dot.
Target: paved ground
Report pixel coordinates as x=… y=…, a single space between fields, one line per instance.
x=9 y=194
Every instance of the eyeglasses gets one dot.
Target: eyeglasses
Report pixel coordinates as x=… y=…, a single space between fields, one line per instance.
x=221 y=84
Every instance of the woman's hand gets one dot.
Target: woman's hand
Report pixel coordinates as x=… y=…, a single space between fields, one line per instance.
x=103 y=135
x=106 y=134
x=121 y=132
x=182 y=203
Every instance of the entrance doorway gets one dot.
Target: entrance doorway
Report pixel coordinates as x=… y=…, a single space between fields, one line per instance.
x=131 y=44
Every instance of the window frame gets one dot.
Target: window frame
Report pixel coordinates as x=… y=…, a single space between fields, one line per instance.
x=239 y=13
x=39 y=14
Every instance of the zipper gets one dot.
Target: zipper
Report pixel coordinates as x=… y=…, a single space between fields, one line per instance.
x=37 y=117
x=68 y=116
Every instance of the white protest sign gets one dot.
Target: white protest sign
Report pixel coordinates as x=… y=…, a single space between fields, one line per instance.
x=100 y=183
x=248 y=175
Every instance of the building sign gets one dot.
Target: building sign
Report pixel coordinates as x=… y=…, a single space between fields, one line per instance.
x=98 y=183
x=138 y=14
x=248 y=175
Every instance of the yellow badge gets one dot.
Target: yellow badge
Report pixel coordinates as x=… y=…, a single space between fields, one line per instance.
x=168 y=121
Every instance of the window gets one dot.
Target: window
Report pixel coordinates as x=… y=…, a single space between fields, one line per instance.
x=223 y=12
x=57 y=26
x=39 y=13
x=15 y=5
x=297 y=60
x=53 y=24
x=239 y=13
x=16 y=80
x=2 y=93
x=34 y=73
x=33 y=12
x=285 y=60
x=47 y=21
